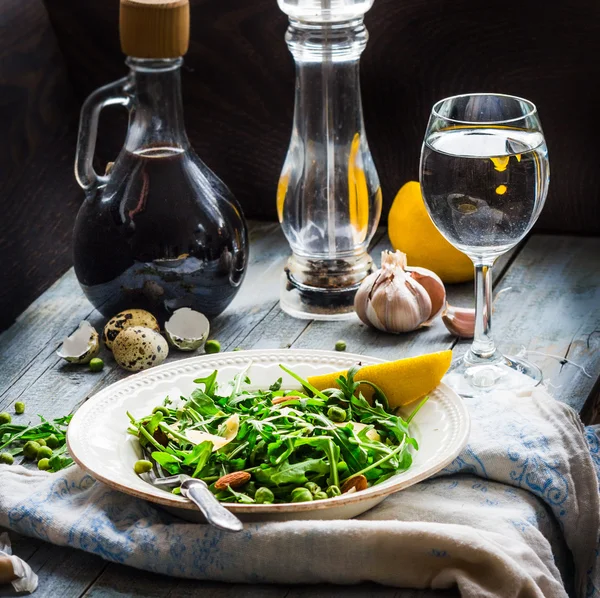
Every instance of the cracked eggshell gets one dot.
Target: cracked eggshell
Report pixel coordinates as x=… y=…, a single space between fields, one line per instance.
x=127 y=319
x=186 y=329
x=138 y=348
x=81 y=346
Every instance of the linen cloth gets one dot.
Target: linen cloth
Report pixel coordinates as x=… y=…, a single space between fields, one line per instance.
x=514 y=515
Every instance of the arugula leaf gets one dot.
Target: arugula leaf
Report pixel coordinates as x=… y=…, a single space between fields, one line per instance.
x=203 y=403
x=167 y=461
x=276 y=385
x=203 y=457
x=210 y=382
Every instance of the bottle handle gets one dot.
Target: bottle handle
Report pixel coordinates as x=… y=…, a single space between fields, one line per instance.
x=113 y=94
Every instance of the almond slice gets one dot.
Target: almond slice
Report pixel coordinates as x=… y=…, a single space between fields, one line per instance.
x=357 y=483
x=232 y=480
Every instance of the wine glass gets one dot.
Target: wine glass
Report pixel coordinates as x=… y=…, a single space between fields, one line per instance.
x=484 y=176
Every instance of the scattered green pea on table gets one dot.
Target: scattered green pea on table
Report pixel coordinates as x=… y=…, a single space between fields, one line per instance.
x=96 y=364
x=340 y=346
x=5 y=418
x=31 y=449
x=19 y=407
x=45 y=452
x=52 y=441
x=44 y=464
x=212 y=346
x=6 y=459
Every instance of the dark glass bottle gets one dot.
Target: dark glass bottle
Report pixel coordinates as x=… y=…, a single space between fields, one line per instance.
x=160 y=230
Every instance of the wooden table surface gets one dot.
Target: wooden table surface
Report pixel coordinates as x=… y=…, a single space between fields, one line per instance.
x=552 y=311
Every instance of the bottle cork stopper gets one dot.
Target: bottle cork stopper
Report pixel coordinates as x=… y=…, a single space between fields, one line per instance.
x=155 y=28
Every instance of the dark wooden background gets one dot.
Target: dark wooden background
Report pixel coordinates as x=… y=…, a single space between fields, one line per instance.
x=238 y=96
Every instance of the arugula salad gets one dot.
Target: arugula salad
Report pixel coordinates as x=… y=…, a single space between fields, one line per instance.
x=276 y=445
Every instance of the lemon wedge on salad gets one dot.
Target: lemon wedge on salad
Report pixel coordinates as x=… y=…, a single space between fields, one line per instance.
x=403 y=381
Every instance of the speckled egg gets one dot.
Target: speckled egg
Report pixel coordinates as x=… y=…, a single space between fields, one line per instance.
x=138 y=348
x=127 y=319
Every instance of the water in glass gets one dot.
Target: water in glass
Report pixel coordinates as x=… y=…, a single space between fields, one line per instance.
x=483 y=185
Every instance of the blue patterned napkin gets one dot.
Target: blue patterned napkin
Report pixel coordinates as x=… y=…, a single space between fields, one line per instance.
x=514 y=515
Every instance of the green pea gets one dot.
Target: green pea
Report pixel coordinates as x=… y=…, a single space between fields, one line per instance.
x=320 y=496
x=41 y=442
x=96 y=364
x=314 y=488
x=31 y=449
x=6 y=458
x=176 y=491
x=52 y=441
x=333 y=491
x=142 y=466
x=340 y=346
x=301 y=495
x=45 y=452
x=212 y=346
x=336 y=414
x=19 y=407
x=238 y=349
x=5 y=418
x=161 y=409
x=44 y=464
x=264 y=496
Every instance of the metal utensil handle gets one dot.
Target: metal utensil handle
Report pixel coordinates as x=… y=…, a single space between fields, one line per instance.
x=216 y=514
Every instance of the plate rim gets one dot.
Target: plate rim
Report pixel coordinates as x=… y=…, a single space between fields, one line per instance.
x=374 y=493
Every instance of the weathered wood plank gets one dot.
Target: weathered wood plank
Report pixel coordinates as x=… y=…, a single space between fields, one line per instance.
x=63 y=572
x=554 y=309
x=365 y=590
x=38 y=331
x=191 y=589
x=119 y=580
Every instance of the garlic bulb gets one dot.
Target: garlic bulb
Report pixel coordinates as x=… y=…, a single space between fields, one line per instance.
x=398 y=298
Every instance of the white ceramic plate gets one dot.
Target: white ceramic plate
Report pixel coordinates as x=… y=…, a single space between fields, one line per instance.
x=99 y=443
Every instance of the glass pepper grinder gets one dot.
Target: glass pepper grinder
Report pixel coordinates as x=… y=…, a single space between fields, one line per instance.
x=328 y=198
x=159 y=230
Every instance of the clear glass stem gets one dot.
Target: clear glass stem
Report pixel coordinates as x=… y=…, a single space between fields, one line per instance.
x=483 y=347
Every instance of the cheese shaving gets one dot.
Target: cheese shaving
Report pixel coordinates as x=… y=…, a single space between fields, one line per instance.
x=232 y=426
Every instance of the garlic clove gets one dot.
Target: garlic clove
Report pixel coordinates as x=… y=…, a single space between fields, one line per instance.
x=460 y=321
x=434 y=286
x=362 y=297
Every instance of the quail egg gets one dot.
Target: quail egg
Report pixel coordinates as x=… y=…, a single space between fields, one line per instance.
x=187 y=329
x=126 y=319
x=139 y=348
x=81 y=346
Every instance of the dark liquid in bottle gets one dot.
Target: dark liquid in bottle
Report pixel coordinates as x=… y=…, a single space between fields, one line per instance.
x=164 y=233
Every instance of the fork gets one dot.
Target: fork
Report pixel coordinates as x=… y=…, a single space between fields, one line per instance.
x=199 y=493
